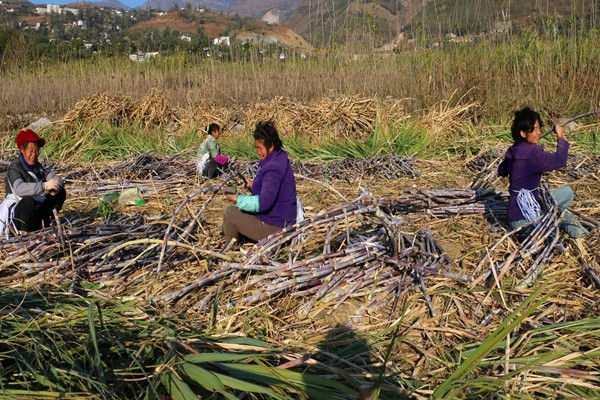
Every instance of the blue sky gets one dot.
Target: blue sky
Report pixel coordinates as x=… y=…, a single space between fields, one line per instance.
x=128 y=3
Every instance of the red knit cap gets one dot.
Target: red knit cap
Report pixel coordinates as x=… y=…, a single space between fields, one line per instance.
x=29 y=136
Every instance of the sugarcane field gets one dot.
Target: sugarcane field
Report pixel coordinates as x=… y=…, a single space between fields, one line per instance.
x=403 y=280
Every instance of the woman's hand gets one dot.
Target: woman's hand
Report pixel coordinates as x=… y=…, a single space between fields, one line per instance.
x=560 y=131
x=249 y=183
x=231 y=197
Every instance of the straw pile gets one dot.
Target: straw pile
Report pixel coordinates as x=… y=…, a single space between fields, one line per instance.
x=446 y=118
x=151 y=111
x=100 y=108
x=349 y=117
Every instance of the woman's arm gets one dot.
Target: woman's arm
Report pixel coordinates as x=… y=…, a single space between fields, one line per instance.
x=543 y=161
x=503 y=169
x=20 y=187
x=245 y=202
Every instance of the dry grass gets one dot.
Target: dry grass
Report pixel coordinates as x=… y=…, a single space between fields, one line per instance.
x=425 y=352
x=497 y=76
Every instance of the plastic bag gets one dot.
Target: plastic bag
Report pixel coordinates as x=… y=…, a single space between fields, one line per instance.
x=131 y=197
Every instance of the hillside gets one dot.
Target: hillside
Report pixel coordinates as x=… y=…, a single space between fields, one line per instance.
x=166 y=5
x=103 y=3
x=214 y=25
x=258 y=8
x=377 y=22
x=467 y=16
x=381 y=21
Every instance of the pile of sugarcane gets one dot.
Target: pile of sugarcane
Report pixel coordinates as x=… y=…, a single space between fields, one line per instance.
x=353 y=250
x=390 y=166
x=343 y=116
x=358 y=247
x=152 y=173
x=350 y=117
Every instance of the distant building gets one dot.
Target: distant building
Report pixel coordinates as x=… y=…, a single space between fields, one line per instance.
x=226 y=40
x=73 y=11
x=141 y=57
x=256 y=38
x=186 y=38
x=272 y=17
x=41 y=10
x=53 y=8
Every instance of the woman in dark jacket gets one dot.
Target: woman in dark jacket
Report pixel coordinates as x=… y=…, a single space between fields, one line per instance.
x=272 y=204
x=32 y=192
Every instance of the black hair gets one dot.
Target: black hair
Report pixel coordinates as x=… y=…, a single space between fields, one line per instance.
x=211 y=128
x=266 y=131
x=524 y=122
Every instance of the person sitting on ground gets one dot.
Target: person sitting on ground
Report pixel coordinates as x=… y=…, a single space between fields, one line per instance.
x=273 y=202
x=524 y=163
x=209 y=161
x=32 y=191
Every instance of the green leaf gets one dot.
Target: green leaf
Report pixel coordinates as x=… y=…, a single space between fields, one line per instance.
x=206 y=379
x=202 y=377
x=219 y=357
x=278 y=376
x=47 y=382
x=177 y=389
x=247 y=387
x=248 y=342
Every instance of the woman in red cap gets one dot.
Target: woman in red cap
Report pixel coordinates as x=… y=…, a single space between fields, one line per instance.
x=32 y=192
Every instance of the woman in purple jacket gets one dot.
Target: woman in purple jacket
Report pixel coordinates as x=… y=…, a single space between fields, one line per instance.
x=524 y=163
x=272 y=204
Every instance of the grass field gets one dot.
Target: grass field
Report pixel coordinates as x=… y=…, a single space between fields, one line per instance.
x=107 y=307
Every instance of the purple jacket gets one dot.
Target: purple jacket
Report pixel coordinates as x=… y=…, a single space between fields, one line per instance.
x=524 y=164
x=275 y=186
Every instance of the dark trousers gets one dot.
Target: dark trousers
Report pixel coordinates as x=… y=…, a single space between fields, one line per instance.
x=29 y=214
x=212 y=169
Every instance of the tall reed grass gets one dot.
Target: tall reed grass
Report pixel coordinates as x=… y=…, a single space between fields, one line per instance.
x=558 y=75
